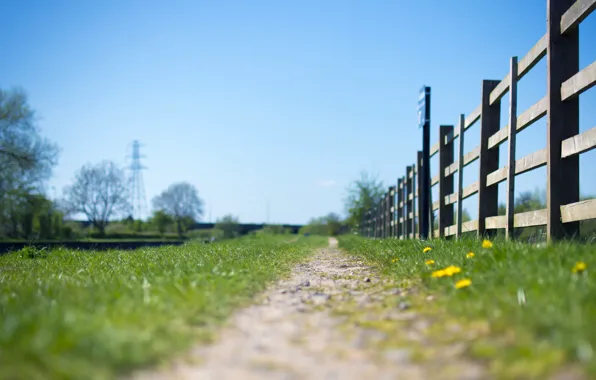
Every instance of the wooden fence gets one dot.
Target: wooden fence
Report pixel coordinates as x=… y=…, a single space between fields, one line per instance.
x=395 y=216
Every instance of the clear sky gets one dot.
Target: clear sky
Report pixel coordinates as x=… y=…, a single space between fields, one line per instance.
x=285 y=101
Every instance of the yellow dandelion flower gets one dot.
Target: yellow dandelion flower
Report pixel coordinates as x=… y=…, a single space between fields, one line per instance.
x=427 y=249
x=438 y=273
x=451 y=270
x=394 y=260
x=579 y=267
x=470 y=255
x=430 y=262
x=463 y=283
x=487 y=244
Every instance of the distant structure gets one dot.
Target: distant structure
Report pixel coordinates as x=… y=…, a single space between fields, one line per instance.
x=137 y=187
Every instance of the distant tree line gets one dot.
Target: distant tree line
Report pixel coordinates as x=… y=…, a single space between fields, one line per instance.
x=99 y=192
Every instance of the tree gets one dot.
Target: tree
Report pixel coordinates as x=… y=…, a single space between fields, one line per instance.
x=230 y=226
x=161 y=220
x=363 y=194
x=20 y=142
x=180 y=201
x=99 y=192
x=328 y=225
x=26 y=158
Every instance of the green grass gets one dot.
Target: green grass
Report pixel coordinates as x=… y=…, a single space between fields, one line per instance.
x=553 y=328
x=93 y=315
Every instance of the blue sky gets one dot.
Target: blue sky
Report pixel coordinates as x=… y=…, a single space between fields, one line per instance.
x=285 y=101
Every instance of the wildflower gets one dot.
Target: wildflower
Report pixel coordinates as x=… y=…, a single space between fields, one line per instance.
x=438 y=273
x=579 y=267
x=470 y=255
x=430 y=262
x=449 y=271
x=394 y=260
x=427 y=249
x=463 y=283
x=487 y=244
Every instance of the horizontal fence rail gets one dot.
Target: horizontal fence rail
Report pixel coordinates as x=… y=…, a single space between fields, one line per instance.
x=396 y=214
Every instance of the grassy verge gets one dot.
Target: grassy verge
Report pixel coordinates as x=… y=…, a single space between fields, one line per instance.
x=538 y=310
x=92 y=315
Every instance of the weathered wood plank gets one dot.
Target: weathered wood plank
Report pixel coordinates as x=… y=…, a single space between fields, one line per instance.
x=472 y=156
x=532 y=114
x=577 y=211
x=472 y=225
x=450 y=230
x=498 y=137
x=579 y=144
x=450 y=199
x=579 y=83
x=435 y=205
x=473 y=117
x=470 y=190
x=449 y=170
x=529 y=117
x=500 y=90
x=434 y=149
x=536 y=53
x=434 y=180
x=531 y=161
x=495 y=222
x=576 y=14
x=436 y=233
x=496 y=177
x=524 y=164
x=530 y=218
x=449 y=137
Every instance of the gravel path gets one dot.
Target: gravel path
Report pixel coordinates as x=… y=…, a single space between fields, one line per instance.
x=294 y=331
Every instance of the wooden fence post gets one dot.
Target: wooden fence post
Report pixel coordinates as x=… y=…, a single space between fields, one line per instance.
x=400 y=207
x=378 y=220
x=382 y=216
x=420 y=192
x=391 y=212
x=509 y=227
x=386 y=215
x=413 y=202
x=408 y=202
x=562 y=62
x=490 y=119
x=445 y=182
x=460 y=175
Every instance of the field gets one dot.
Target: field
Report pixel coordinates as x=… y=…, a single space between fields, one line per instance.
x=534 y=306
x=75 y=314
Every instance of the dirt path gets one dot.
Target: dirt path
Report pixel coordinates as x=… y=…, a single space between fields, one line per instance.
x=315 y=325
